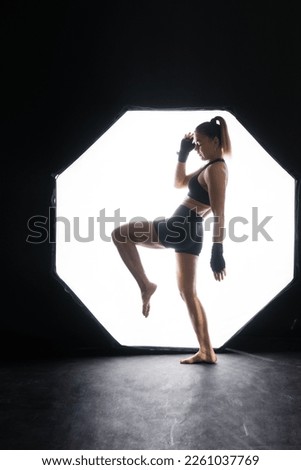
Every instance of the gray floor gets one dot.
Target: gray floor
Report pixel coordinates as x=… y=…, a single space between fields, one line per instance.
x=246 y=401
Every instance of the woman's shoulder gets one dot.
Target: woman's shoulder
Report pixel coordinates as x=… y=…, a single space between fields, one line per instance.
x=219 y=166
x=216 y=170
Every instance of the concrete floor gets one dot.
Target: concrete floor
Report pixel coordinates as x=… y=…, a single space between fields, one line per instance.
x=246 y=401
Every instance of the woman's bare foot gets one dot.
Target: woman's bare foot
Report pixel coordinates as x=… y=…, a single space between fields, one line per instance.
x=200 y=357
x=146 y=295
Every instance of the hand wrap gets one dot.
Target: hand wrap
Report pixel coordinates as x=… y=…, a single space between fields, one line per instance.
x=185 y=148
x=217 y=261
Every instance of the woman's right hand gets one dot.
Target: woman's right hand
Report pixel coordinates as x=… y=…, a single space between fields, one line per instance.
x=186 y=146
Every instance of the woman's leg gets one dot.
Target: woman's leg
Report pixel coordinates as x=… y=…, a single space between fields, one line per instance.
x=186 y=276
x=126 y=239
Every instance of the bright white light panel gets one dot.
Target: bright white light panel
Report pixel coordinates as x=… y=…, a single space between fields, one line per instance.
x=129 y=172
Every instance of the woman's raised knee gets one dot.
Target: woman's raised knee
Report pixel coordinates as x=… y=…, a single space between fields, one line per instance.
x=119 y=235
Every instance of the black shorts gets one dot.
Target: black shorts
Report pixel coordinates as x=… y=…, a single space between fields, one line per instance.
x=183 y=231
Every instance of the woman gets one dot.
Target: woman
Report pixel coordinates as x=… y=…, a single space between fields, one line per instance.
x=183 y=231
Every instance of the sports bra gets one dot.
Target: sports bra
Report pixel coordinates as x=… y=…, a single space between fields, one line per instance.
x=196 y=191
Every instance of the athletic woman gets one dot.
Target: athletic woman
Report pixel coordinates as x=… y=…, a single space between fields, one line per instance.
x=183 y=231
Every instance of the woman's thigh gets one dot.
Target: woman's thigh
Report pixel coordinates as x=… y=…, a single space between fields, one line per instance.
x=140 y=232
x=187 y=272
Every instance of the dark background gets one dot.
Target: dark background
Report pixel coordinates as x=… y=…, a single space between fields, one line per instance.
x=69 y=68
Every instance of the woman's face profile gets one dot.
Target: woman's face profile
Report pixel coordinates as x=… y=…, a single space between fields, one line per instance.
x=204 y=145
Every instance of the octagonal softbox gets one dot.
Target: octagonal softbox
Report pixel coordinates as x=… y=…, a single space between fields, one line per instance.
x=127 y=174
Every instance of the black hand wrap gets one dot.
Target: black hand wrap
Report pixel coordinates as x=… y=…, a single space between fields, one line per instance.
x=185 y=148
x=217 y=261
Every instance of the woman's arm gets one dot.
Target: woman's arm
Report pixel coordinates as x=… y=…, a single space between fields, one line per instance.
x=216 y=179
x=187 y=145
x=181 y=179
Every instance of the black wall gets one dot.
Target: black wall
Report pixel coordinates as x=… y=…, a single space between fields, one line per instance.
x=69 y=68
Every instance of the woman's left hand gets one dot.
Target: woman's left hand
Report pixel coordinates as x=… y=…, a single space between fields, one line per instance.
x=219 y=276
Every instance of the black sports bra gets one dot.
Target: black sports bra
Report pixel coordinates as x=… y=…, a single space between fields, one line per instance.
x=196 y=191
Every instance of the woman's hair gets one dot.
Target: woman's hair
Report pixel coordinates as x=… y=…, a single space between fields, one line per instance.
x=217 y=127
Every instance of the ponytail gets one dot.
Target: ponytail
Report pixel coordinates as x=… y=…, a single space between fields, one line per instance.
x=223 y=134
